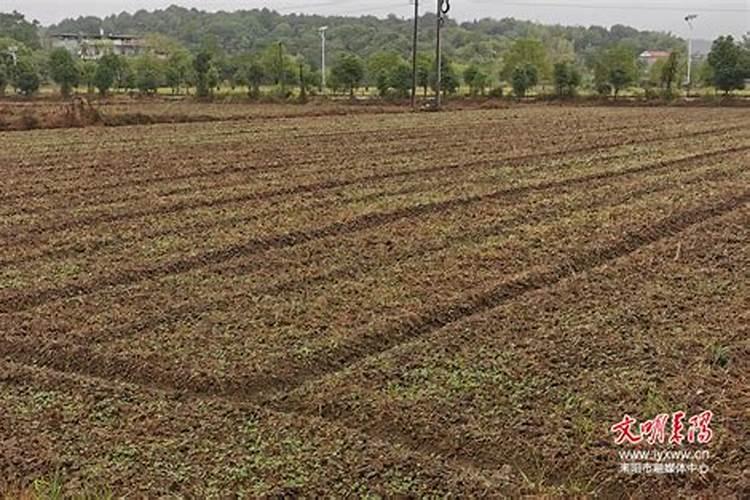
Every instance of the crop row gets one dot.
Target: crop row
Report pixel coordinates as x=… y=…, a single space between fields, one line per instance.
x=250 y=146
x=254 y=338
x=276 y=209
x=276 y=217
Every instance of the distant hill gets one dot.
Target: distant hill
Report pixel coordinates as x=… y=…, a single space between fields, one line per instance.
x=481 y=41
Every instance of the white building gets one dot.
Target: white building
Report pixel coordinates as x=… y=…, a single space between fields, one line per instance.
x=92 y=47
x=650 y=57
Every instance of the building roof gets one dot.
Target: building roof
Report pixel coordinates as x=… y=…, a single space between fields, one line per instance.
x=95 y=37
x=654 y=54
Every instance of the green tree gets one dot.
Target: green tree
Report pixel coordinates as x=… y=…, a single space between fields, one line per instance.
x=228 y=68
x=4 y=77
x=619 y=79
x=8 y=48
x=567 y=79
x=469 y=73
x=252 y=74
x=400 y=78
x=16 y=27
x=177 y=70
x=670 y=72
x=255 y=74
x=383 y=83
x=527 y=51
x=476 y=79
x=125 y=77
x=425 y=67
x=524 y=78
x=379 y=68
x=279 y=66
x=704 y=74
x=389 y=72
x=615 y=69
x=214 y=79
x=449 y=79
x=726 y=61
x=64 y=70
x=655 y=72
x=108 y=70
x=745 y=61
x=26 y=77
x=560 y=50
x=348 y=72
x=148 y=74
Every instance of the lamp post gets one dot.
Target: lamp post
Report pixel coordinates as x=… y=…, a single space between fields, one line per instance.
x=443 y=7
x=689 y=20
x=322 y=32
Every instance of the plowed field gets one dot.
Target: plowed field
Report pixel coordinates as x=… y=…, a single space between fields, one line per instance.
x=384 y=304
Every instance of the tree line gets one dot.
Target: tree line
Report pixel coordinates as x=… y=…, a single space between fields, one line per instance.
x=526 y=63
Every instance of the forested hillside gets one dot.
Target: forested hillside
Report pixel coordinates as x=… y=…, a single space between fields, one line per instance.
x=482 y=41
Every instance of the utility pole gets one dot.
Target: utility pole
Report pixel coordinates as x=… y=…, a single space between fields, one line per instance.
x=322 y=32
x=414 y=57
x=443 y=7
x=438 y=55
x=689 y=20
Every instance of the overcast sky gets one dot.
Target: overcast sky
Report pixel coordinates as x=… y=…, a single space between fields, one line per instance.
x=716 y=16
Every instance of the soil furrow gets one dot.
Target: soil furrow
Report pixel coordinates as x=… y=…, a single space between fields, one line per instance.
x=79 y=248
x=186 y=312
x=269 y=388
x=26 y=234
x=359 y=223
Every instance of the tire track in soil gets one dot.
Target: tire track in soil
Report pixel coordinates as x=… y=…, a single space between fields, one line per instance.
x=32 y=234
x=266 y=389
x=270 y=389
x=175 y=315
x=33 y=299
x=671 y=227
x=478 y=458
x=55 y=380
x=96 y=246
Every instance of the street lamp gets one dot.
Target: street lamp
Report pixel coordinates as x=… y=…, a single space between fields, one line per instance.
x=443 y=7
x=322 y=32
x=689 y=20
